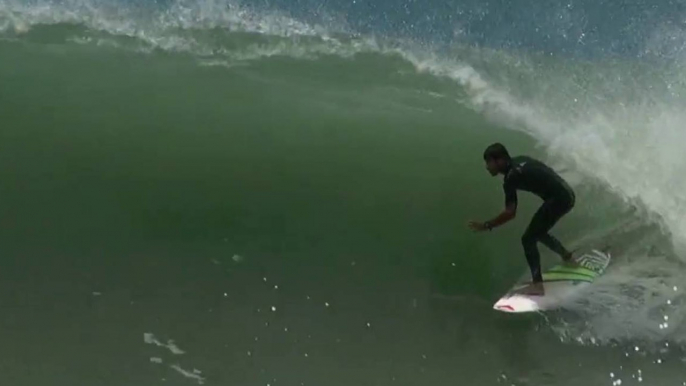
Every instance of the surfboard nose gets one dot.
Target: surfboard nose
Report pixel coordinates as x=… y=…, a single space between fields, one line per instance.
x=503 y=307
x=516 y=303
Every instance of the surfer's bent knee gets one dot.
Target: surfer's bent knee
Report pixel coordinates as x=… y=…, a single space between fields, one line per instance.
x=528 y=239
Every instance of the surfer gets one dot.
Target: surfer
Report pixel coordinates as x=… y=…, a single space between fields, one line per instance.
x=531 y=175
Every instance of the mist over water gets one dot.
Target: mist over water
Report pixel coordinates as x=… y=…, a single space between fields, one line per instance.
x=277 y=192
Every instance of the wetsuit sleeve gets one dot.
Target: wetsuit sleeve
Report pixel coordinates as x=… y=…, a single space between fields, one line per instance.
x=510 y=193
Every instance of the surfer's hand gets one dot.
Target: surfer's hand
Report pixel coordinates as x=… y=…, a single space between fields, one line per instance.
x=477 y=226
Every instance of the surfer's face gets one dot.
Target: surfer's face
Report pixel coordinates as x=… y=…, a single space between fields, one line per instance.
x=493 y=166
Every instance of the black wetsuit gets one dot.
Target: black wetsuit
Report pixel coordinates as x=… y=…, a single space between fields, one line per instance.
x=528 y=174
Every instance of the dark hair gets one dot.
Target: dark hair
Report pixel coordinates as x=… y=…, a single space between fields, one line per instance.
x=496 y=151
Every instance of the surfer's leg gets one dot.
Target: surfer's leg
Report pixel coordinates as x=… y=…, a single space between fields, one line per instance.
x=555 y=245
x=530 y=238
x=544 y=219
x=553 y=214
x=533 y=257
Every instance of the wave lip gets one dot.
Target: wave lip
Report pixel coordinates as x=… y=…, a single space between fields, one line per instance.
x=204 y=27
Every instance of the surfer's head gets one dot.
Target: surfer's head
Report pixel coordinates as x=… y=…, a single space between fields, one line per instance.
x=497 y=158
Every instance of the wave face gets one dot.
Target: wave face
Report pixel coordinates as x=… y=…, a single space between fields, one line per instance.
x=292 y=130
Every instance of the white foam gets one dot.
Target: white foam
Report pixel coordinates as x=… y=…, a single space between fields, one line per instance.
x=629 y=303
x=150 y=338
x=195 y=374
x=177 y=27
x=131 y=19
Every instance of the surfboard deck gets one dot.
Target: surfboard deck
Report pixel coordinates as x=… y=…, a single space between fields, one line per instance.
x=560 y=283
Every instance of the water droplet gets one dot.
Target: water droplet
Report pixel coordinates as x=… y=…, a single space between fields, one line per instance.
x=276 y=287
x=666 y=317
x=326 y=304
x=264 y=279
x=273 y=308
x=675 y=288
x=612 y=375
x=669 y=302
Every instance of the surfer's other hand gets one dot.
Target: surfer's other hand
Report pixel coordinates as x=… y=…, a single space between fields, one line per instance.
x=477 y=226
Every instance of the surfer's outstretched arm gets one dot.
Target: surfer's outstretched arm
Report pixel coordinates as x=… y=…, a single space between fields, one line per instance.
x=506 y=215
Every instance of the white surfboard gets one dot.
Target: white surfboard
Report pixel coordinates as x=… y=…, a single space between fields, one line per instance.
x=560 y=283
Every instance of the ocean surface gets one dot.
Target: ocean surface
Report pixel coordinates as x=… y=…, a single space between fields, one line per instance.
x=277 y=192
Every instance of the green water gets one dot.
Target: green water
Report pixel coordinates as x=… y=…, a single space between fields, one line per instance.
x=285 y=222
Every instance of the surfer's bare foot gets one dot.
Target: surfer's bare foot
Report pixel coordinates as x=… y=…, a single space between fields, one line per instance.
x=569 y=261
x=534 y=289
